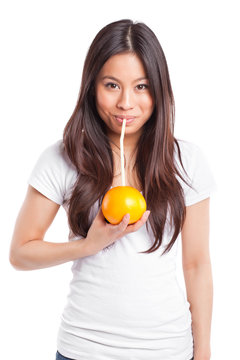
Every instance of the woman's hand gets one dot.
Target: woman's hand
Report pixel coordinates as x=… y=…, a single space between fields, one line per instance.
x=102 y=234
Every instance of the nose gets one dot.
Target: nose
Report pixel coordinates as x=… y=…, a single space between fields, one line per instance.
x=125 y=100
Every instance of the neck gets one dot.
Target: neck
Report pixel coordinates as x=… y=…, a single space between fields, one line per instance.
x=129 y=157
x=129 y=149
x=129 y=143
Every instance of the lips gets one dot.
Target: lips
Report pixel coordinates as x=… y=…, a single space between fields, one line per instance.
x=128 y=118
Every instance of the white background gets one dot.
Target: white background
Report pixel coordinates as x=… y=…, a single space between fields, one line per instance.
x=43 y=46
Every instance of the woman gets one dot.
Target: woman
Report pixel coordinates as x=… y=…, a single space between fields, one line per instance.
x=124 y=300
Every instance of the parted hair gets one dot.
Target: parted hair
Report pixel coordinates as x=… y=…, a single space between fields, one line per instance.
x=88 y=147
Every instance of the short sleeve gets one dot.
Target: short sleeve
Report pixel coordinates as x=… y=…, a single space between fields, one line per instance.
x=49 y=174
x=200 y=175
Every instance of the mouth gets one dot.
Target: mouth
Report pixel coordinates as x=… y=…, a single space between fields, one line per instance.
x=128 y=118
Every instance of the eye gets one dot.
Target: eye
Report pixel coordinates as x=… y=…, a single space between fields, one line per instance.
x=142 y=87
x=111 y=85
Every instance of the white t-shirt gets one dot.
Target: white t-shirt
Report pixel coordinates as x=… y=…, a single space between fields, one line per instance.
x=123 y=305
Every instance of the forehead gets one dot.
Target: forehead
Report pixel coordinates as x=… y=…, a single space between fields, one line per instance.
x=123 y=66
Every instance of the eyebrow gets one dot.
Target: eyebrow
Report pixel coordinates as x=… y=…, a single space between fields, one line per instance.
x=115 y=79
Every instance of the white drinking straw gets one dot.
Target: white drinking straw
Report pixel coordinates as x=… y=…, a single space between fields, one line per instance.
x=122 y=151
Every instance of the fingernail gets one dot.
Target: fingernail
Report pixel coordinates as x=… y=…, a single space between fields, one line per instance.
x=127 y=217
x=147 y=213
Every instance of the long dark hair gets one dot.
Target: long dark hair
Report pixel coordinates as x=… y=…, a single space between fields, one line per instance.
x=88 y=147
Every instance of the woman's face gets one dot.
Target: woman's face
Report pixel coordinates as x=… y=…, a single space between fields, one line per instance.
x=122 y=91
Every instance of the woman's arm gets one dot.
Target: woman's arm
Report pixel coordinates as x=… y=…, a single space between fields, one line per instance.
x=198 y=275
x=28 y=251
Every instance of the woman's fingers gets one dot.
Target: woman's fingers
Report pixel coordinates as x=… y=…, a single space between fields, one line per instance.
x=136 y=226
x=124 y=223
x=102 y=234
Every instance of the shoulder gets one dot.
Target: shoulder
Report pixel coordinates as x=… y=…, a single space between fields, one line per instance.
x=188 y=149
x=53 y=173
x=189 y=152
x=193 y=156
x=198 y=170
x=54 y=156
x=56 y=153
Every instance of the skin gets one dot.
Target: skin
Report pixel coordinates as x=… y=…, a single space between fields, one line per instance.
x=29 y=251
x=122 y=88
x=198 y=275
x=120 y=92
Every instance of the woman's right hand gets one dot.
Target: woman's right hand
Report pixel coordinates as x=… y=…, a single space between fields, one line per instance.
x=102 y=234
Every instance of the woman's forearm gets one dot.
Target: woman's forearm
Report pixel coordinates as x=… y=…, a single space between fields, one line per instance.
x=39 y=254
x=199 y=286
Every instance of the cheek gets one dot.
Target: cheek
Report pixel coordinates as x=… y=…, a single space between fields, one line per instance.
x=103 y=101
x=147 y=103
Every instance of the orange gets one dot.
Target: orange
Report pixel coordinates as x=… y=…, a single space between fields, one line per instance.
x=122 y=200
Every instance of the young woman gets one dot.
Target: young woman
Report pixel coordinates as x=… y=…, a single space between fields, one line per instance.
x=124 y=300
